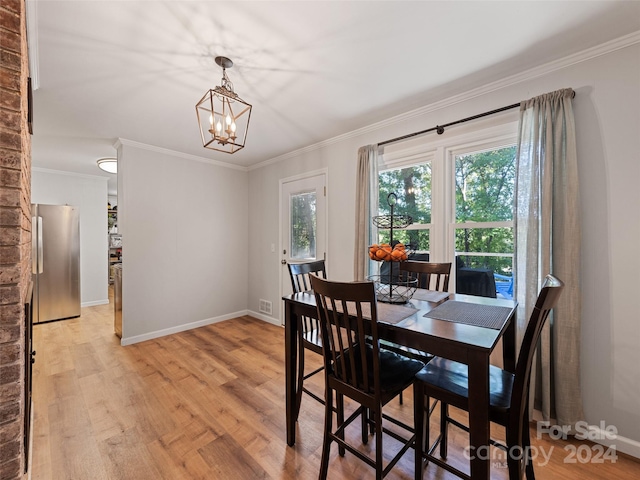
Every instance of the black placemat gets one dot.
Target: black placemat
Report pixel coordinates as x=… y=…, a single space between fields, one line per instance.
x=488 y=316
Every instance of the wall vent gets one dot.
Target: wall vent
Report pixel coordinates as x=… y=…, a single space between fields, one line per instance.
x=265 y=307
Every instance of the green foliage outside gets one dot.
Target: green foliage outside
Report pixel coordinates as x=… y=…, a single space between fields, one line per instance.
x=484 y=188
x=485 y=184
x=412 y=185
x=303 y=226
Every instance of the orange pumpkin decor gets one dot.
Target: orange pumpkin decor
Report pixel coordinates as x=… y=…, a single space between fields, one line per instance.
x=384 y=252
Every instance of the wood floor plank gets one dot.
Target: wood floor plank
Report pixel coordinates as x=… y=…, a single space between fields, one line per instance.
x=228 y=459
x=207 y=404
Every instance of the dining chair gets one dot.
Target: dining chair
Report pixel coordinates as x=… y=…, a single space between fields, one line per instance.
x=430 y=276
x=356 y=367
x=309 y=337
x=447 y=381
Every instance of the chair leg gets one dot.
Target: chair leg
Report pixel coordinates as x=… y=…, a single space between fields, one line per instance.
x=326 y=442
x=365 y=425
x=514 y=466
x=400 y=398
x=340 y=415
x=526 y=443
x=379 y=465
x=372 y=429
x=444 y=430
x=516 y=454
x=300 y=377
x=419 y=426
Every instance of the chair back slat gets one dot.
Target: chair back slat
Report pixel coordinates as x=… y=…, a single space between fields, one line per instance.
x=547 y=300
x=348 y=322
x=432 y=276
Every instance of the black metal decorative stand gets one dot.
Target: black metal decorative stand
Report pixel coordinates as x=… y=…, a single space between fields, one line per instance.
x=393 y=287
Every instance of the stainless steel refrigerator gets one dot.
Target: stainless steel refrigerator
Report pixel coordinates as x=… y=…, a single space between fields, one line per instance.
x=55 y=254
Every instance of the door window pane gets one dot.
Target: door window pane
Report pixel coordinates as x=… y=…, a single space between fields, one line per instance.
x=303 y=226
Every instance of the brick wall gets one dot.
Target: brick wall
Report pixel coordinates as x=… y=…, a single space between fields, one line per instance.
x=15 y=232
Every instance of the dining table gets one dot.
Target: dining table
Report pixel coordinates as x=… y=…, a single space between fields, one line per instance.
x=463 y=328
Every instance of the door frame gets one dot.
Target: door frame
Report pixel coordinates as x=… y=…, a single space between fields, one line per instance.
x=281 y=182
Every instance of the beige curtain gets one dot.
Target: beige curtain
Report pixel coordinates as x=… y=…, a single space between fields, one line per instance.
x=366 y=199
x=547 y=229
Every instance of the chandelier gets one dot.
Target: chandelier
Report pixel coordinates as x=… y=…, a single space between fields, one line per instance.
x=223 y=116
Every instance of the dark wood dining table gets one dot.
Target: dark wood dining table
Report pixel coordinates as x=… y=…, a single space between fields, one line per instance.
x=464 y=343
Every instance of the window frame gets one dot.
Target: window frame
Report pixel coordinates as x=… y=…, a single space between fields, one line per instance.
x=488 y=134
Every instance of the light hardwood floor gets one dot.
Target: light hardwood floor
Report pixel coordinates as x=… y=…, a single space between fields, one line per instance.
x=202 y=404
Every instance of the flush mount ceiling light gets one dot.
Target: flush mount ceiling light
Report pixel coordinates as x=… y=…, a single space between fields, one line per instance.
x=108 y=165
x=223 y=116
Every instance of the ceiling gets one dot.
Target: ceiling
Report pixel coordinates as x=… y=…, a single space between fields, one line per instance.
x=312 y=70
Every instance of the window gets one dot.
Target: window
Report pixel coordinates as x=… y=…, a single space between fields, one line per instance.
x=460 y=195
x=303 y=226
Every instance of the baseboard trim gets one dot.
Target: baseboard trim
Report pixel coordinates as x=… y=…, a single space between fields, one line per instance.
x=95 y=303
x=619 y=443
x=265 y=318
x=603 y=437
x=180 y=328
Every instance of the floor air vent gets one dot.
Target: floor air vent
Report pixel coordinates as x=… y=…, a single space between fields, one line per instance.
x=265 y=307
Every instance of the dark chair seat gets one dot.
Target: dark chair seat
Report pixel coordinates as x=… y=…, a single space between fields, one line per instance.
x=408 y=352
x=452 y=377
x=397 y=372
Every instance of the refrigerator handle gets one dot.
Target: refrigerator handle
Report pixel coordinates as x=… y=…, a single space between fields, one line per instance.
x=40 y=249
x=34 y=246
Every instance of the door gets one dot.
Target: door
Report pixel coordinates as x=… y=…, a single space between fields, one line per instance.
x=303 y=220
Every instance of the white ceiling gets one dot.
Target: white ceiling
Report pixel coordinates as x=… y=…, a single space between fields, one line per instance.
x=312 y=70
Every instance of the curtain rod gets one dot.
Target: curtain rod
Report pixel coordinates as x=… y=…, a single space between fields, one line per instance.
x=440 y=128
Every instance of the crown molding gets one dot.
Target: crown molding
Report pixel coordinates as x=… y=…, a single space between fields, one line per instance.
x=69 y=174
x=175 y=153
x=544 y=69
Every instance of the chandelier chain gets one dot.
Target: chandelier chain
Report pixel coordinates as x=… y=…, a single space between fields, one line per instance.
x=226 y=83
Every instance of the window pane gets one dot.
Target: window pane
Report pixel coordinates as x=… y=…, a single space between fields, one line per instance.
x=418 y=240
x=484 y=185
x=484 y=240
x=303 y=226
x=412 y=185
x=486 y=275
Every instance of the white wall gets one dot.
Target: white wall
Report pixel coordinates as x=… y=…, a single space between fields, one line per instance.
x=89 y=193
x=184 y=227
x=607 y=107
